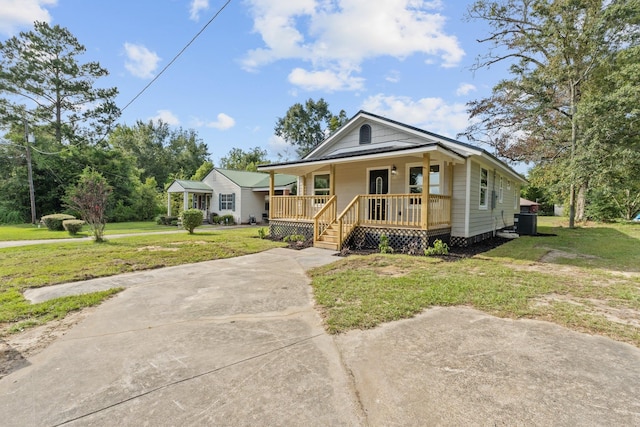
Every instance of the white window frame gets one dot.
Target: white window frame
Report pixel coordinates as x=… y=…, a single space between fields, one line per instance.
x=501 y=190
x=408 y=186
x=484 y=188
x=226 y=202
x=314 y=190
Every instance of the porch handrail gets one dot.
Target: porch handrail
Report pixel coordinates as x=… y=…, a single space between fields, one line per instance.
x=324 y=218
x=348 y=219
x=404 y=210
x=297 y=207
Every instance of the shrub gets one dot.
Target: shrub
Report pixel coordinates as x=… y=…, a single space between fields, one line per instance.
x=263 y=233
x=73 y=226
x=122 y=213
x=294 y=238
x=191 y=218
x=227 y=220
x=384 y=246
x=53 y=222
x=166 y=220
x=10 y=216
x=215 y=219
x=438 y=248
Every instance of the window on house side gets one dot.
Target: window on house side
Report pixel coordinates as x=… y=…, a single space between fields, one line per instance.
x=226 y=202
x=321 y=185
x=415 y=181
x=365 y=134
x=484 y=181
x=501 y=190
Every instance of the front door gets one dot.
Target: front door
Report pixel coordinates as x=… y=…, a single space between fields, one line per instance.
x=378 y=184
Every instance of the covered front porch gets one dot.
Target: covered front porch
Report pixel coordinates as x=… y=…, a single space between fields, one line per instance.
x=347 y=203
x=195 y=195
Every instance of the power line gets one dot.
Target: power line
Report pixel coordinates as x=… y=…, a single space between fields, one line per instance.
x=177 y=56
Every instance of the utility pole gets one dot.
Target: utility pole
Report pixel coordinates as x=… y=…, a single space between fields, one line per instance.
x=32 y=195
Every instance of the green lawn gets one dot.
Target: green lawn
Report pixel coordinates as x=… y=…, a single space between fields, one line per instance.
x=592 y=284
x=47 y=264
x=32 y=232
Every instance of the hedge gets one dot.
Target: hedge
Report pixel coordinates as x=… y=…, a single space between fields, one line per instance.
x=54 y=221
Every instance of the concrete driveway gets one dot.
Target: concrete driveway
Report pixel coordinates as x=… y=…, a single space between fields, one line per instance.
x=237 y=343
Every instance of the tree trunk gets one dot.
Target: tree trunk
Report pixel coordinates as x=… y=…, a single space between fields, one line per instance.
x=574 y=140
x=581 y=202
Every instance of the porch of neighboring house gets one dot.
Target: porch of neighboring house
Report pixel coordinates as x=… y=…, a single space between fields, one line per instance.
x=195 y=195
x=404 y=218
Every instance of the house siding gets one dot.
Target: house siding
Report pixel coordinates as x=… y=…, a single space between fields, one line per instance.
x=379 y=134
x=252 y=204
x=483 y=221
x=223 y=185
x=458 y=202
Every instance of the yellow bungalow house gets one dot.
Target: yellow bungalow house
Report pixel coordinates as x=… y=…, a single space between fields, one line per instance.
x=377 y=176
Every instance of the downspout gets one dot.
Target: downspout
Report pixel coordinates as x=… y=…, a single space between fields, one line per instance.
x=493 y=203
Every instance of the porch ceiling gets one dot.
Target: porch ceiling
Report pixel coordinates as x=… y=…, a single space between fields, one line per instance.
x=305 y=166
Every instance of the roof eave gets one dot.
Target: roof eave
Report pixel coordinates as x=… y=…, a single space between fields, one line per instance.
x=310 y=163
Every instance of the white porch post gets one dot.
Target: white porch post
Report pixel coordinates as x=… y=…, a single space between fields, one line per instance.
x=168 y=204
x=185 y=199
x=426 y=170
x=332 y=180
x=271 y=192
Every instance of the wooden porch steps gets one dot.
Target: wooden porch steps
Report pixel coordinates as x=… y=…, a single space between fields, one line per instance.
x=329 y=239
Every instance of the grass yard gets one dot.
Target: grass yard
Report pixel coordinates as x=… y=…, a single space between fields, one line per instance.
x=32 y=232
x=587 y=279
x=47 y=264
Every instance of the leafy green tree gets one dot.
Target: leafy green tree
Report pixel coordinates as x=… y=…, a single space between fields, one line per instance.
x=160 y=152
x=554 y=47
x=306 y=126
x=89 y=198
x=238 y=159
x=40 y=71
x=203 y=170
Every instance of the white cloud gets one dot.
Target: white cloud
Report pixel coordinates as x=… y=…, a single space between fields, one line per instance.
x=432 y=114
x=141 y=62
x=393 y=76
x=339 y=35
x=280 y=150
x=223 y=122
x=166 y=116
x=196 y=7
x=324 y=80
x=18 y=14
x=465 y=89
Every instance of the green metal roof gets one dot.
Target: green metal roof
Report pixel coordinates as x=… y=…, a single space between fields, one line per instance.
x=256 y=179
x=193 y=185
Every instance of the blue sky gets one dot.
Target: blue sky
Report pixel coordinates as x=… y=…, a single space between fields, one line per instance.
x=409 y=60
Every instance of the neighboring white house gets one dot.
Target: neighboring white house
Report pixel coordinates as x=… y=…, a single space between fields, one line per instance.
x=368 y=179
x=229 y=192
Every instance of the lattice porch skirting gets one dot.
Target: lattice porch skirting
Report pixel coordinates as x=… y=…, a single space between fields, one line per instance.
x=280 y=229
x=403 y=240
x=468 y=241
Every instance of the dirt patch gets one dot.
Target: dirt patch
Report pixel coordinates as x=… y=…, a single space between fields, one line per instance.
x=16 y=349
x=596 y=307
x=156 y=249
x=195 y=242
x=554 y=254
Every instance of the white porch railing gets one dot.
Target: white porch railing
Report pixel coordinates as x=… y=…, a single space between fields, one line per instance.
x=299 y=208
